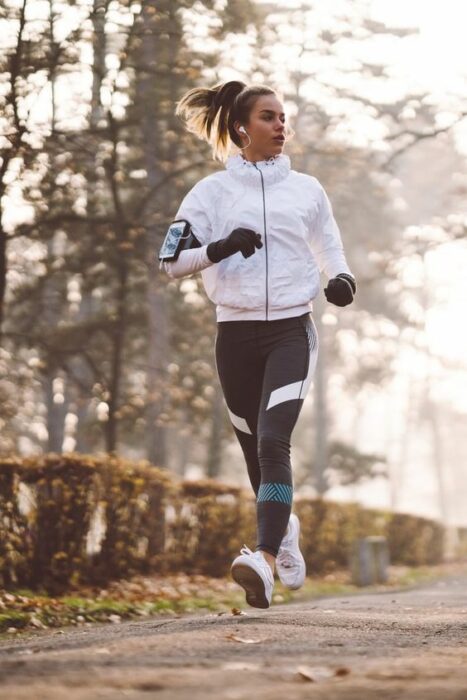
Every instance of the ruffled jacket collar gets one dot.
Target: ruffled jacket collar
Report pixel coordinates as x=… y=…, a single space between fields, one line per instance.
x=274 y=169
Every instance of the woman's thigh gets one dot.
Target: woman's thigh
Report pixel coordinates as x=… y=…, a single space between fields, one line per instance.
x=288 y=373
x=240 y=369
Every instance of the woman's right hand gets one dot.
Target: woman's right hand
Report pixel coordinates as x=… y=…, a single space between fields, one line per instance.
x=242 y=240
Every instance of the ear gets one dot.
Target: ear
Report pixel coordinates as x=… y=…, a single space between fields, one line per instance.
x=236 y=126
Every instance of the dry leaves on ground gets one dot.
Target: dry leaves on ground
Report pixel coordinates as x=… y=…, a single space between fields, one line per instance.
x=315 y=674
x=244 y=640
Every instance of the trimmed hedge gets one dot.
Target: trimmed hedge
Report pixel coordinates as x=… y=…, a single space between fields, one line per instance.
x=52 y=506
x=46 y=507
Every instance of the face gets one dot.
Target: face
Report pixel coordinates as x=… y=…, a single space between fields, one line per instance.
x=266 y=129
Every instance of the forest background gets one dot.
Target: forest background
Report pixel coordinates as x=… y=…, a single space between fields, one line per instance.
x=101 y=351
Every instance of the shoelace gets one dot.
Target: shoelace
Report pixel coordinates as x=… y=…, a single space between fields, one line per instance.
x=287 y=559
x=245 y=550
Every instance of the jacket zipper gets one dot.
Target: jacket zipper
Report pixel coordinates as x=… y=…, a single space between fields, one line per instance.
x=265 y=238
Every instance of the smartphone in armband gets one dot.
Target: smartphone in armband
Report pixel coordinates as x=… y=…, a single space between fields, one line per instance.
x=178 y=237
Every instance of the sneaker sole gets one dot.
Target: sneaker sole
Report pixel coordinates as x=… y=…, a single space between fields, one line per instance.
x=253 y=584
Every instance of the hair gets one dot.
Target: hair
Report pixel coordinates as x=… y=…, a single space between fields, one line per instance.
x=210 y=113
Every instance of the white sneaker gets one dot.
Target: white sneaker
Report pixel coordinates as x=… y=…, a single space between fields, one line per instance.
x=290 y=564
x=252 y=572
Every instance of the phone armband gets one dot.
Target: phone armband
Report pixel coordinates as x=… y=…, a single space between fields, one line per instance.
x=179 y=237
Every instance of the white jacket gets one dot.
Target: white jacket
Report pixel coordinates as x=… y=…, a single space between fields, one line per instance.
x=300 y=238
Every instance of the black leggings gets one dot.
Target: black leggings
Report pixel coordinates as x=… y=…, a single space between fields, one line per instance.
x=265 y=369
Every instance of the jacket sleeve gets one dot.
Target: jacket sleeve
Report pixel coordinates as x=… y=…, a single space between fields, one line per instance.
x=326 y=241
x=194 y=208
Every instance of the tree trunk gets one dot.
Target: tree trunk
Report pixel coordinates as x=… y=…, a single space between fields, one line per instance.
x=159 y=44
x=214 y=461
x=397 y=473
x=431 y=411
x=120 y=320
x=81 y=395
x=184 y=447
x=87 y=303
x=53 y=296
x=9 y=154
x=158 y=351
x=438 y=462
x=56 y=414
x=320 y=405
x=117 y=357
x=3 y=265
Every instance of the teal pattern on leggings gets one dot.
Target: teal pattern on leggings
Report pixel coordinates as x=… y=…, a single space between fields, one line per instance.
x=274 y=491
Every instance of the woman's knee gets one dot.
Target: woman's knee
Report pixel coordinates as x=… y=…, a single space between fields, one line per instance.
x=273 y=446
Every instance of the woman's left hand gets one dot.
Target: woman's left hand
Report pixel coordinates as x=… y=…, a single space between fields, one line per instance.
x=340 y=290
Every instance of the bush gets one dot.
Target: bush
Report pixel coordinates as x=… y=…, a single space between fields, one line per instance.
x=51 y=504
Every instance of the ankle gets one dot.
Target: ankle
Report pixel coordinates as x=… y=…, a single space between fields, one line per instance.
x=270 y=558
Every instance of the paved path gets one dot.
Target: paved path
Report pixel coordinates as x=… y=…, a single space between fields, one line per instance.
x=394 y=645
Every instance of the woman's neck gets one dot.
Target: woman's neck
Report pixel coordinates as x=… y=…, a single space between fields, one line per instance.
x=255 y=157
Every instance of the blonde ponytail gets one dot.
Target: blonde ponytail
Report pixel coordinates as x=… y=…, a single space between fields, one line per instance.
x=211 y=112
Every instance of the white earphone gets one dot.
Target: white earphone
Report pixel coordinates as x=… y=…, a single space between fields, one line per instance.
x=243 y=131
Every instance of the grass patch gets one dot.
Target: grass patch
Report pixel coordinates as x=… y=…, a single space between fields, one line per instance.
x=105 y=606
x=13 y=619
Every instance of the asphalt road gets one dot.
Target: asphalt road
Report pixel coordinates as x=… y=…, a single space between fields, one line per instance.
x=404 y=644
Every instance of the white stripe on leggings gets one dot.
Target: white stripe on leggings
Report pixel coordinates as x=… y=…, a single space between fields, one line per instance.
x=297 y=390
x=239 y=423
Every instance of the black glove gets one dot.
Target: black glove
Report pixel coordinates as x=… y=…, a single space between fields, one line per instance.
x=241 y=239
x=341 y=289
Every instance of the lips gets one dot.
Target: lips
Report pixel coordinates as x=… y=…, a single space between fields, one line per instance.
x=280 y=139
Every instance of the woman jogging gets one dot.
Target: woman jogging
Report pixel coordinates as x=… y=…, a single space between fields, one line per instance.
x=260 y=233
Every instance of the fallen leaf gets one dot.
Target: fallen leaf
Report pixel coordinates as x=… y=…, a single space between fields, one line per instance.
x=314 y=674
x=244 y=640
x=237 y=611
x=342 y=671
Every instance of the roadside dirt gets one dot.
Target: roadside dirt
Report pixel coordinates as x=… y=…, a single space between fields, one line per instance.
x=398 y=644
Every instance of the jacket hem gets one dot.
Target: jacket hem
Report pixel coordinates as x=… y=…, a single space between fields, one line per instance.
x=229 y=313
